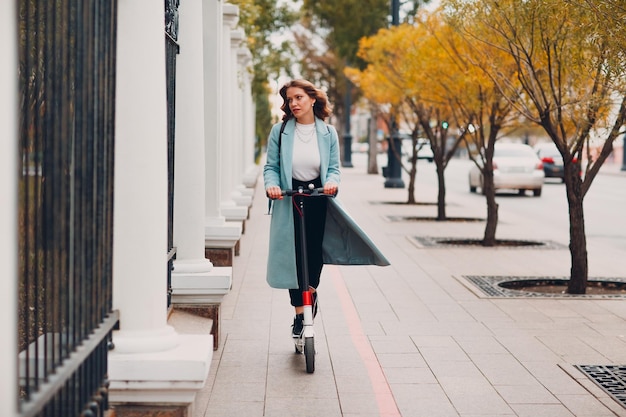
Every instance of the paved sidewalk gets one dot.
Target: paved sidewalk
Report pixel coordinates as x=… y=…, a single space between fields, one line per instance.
x=414 y=339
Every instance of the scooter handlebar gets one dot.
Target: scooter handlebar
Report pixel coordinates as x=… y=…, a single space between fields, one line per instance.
x=312 y=191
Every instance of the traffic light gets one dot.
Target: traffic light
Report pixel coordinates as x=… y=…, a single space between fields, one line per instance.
x=444 y=124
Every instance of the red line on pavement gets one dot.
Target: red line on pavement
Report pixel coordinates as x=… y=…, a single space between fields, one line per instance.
x=386 y=403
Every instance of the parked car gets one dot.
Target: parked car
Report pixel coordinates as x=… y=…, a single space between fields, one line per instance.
x=552 y=160
x=515 y=167
x=424 y=151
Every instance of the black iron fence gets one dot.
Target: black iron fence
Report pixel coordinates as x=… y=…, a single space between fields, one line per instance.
x=67 y=87
x=171 y=51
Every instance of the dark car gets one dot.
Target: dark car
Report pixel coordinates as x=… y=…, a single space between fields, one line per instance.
x=552 y=160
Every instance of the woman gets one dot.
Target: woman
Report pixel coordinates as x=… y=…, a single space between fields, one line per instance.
x=301 y=150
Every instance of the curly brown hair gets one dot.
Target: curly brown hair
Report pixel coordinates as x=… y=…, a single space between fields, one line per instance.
x=321 y=107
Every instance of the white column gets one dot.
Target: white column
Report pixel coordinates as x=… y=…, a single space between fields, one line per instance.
x=229 y=206
x=250 y=168
x=8 y=208
x=219 y=233
x=192 y=271
x=243 y=194
x=140 y=214
x=151 y=363
x=212 y=88
x=240 y=193
x=189 y=152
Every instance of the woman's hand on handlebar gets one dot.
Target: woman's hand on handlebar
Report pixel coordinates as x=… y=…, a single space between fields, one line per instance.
x=330 y=188
x=274 y=192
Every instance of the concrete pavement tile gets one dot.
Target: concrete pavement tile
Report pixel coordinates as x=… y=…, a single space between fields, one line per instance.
x=410 y=376
x=556 y=379
x=450 y=312
x=317 y=385
x=502 y=369
x=613 y=348
x=353 y=384
x=349 y=367
x=573 y=350
x=248 y=409
x=617 y=408
x=485 y=311
x=401 y=360
x=241 y=330
x=616 y=307
x=422 y=400
x=301 y=406
x=437 y=341
x=541 y=410
x=443 y=368
x=373 y=328
x=392 y=344
x=201 y=401
x=585 y=406
x=367 y=414
x=616 y=329
x=527 y=348
x=340 y=342
x=375 y=312
x=356 y=403
x=295 y=363
x=526 y=394
x=228 y=374
x=522 y=310
x=480 y=345
x=237 y=391
x=394 y=328
x=473 y=396
x=449 y=353
x=447 y=329
x=559 y=310
x=256 y=355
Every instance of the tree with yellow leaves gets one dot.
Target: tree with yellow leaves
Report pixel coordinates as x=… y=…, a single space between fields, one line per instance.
x=431 y=70
x=571 y=72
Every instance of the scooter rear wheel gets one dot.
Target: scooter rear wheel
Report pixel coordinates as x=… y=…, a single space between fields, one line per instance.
x=309 y=354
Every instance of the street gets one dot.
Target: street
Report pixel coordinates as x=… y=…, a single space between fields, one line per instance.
x=546 y=216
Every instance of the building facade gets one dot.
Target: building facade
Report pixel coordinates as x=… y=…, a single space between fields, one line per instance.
x=127 y=180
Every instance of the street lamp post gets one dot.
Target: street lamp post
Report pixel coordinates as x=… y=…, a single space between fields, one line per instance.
x=624 y=152
x=394 y=150
x=393 y=171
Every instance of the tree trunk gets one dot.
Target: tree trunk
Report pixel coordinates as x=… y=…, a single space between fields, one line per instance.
x=578 y=241
x=340 y=125
x=372 y=155
x=411 y=188
x=441 y=195
x=488 y=189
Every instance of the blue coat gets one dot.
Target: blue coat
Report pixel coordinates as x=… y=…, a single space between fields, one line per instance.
x=344 y=242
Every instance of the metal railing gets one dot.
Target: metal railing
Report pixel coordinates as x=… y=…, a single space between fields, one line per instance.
x=171 y=51
x=67 y=87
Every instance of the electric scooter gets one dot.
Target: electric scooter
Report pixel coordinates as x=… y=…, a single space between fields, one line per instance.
x=306 y=342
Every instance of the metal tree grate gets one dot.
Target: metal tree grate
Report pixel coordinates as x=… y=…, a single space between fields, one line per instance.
x=491 y=286
x=506 y=244
x=397 y=218
x=611 y=378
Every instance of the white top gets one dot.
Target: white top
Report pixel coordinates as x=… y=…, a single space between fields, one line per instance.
x=306 y=154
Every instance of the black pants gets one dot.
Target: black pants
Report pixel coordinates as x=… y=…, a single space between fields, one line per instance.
x=314 y=219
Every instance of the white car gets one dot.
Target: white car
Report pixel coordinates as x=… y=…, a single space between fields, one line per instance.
x=424 y=151
x=515 y=167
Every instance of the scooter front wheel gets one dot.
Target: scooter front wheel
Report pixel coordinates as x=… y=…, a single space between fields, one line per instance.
x=309 y=354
